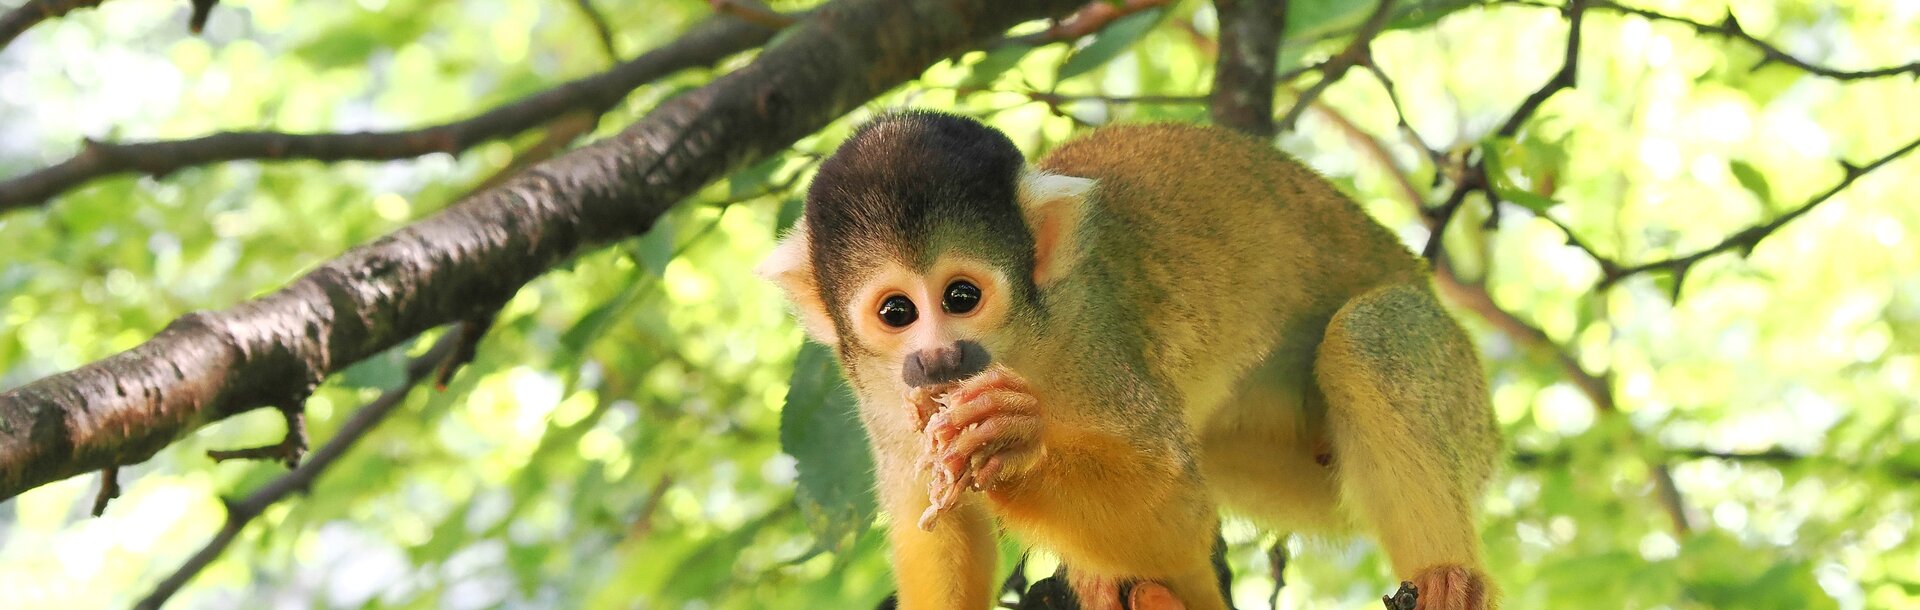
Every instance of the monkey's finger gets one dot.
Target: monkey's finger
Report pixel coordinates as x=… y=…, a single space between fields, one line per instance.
x=996 y=377
x=988 y=438
x=994 y=471
x=957 y=418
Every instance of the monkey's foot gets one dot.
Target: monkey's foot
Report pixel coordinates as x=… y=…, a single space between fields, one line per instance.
x=1094 y=593
x=988 y=435
x=1450 y=587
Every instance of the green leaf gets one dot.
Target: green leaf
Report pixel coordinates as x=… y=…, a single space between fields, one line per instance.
x=982 y=73
x=1528 y=199
x=754 y=179
x=1755 y=182
x=790 y=210
x=820 y=428
x=383 y=371
x=1109 y=43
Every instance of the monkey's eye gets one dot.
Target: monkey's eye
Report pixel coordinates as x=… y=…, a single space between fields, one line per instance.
x=962 y=296
x=897 y=311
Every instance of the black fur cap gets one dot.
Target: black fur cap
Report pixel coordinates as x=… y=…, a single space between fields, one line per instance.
x=909 y=184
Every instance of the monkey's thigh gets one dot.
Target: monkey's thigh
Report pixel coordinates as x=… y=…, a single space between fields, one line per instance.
x=1261 y=454
x=1411 y=429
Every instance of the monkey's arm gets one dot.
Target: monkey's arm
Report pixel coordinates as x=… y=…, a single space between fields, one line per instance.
x=947 y=568
x=1109 y=485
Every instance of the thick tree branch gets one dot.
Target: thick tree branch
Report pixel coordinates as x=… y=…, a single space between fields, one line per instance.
x=473 y=256
x=1334 y=68
x=1243 y=77
x=16 y=22
x=300 y=480
x=703 y=45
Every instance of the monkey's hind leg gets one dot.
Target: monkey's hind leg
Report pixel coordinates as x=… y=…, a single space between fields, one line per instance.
x=1413 y=438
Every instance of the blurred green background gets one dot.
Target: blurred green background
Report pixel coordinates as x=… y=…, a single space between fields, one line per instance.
x=619 y=441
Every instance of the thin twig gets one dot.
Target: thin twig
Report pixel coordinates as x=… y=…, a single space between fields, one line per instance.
x=202 y=9
x=109 y=489
x=301 y=479
x=1095 y=16
x=1400 y=114
x=1746 y=239
x=288 y=451
x=601 y=30
x=1730 y=28
x=1473 y=173
x=1335 y=68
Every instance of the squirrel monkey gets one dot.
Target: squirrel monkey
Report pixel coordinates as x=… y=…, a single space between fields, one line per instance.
x=1103 y=349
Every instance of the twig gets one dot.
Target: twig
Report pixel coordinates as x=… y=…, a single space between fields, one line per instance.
x=1400 y=114
x=471 y=331
x=1562 y=79
x=643 y=519
x=1335 y=68
x=601 y=30
x=1277 y=557
x=1473 y=174
x=301 y=479
x=109 y=489
x=1093 y=17
x=289 y=450
x=704 y=45
x=1770 y=54
x=1243 y=77
x=202 y=9
x=1745 y=239
x=17 y=21
x=1056 y=99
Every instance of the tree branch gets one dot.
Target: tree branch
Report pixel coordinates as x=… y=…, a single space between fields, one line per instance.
x=301 y=479
x=1335 y=68
x=1473 y=174
x=1243 y=77
x=1093 y=17
x=17 y=21
x=473 y=256
x=1744 y=240
x=704 y=44
x=1730 y=28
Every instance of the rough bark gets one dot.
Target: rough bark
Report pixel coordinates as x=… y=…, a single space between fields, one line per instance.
x=1243 y=72
x=470 y=258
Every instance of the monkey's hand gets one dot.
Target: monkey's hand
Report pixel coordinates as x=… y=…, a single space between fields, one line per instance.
x=923 y=402
x=986 y=437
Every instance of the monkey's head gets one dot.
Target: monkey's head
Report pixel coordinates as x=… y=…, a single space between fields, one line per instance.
x=926 y=244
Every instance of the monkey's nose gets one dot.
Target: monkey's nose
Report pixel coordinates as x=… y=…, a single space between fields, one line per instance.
x=945 y=364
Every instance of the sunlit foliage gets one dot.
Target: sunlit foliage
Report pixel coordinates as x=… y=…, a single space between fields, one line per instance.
x=618 y=442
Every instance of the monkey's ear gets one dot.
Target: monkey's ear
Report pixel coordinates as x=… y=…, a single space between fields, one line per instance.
x=1054 y=206
x=790 y=267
